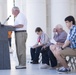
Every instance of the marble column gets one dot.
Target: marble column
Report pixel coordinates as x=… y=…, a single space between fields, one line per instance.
x=3 y=10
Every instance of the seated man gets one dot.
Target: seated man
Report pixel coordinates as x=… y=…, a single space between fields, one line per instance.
x=69 y=47
x=42 y=40
x=60 y=37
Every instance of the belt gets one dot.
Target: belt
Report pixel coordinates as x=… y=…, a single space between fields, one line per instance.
x=21 y=31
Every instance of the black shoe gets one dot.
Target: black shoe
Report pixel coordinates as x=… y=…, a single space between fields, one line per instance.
x=31 y=62
x=35 y=62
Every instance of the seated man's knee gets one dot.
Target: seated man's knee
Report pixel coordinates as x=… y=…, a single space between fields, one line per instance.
x=52 y=48
x=57 y=53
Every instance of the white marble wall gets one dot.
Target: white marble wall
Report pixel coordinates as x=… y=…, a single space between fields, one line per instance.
x=59 y=9
x=3 y=10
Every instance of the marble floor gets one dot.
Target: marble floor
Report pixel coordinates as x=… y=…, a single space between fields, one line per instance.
x=32 y=69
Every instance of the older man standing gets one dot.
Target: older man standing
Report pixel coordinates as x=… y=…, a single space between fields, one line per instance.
x=20 y=36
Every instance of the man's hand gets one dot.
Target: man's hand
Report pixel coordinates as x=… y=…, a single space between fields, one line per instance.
x=54 y=30
x=44 y=47
x=35 y=46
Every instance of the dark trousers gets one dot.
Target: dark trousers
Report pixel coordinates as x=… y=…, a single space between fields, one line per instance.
x=35 y=52
x=48 y=55
x=9 y=40
x=45 y=57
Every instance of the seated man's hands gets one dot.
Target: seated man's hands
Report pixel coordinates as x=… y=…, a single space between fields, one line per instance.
x=54 y=30
x=43 y=49
x=59 y=43
x=35 y=46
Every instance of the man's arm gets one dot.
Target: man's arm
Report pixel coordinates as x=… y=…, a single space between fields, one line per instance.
x=60 y=37
x=19 y=26
x=9 y=28
x=67 y=42
x=12 y=28
x=70 y=38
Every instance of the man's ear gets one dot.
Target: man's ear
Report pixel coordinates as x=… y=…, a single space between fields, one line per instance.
x=71 y=22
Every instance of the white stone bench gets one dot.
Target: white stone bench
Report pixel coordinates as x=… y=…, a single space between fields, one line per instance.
x=71 y=61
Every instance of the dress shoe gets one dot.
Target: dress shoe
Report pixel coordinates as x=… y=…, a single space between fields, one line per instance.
x=31 y=62
x=45 y=66
x=35 y=62
x=20 y=67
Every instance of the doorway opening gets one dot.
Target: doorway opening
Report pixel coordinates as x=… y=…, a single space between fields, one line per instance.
x=10 y=4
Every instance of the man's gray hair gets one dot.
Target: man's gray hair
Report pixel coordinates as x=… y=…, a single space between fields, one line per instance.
x=59 y=26
x=16 y=8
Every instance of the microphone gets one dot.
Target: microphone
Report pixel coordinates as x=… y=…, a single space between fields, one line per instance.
x=7 y=19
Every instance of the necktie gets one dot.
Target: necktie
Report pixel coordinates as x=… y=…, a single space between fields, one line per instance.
x=39 y=39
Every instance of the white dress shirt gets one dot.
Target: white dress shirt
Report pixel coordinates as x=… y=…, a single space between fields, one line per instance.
x=21 y=19
x=44 y=39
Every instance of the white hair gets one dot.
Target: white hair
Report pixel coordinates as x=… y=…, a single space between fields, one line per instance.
x=59 y=26
x=15 y=8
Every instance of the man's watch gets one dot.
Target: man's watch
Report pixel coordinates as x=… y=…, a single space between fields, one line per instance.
x=62 y=48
